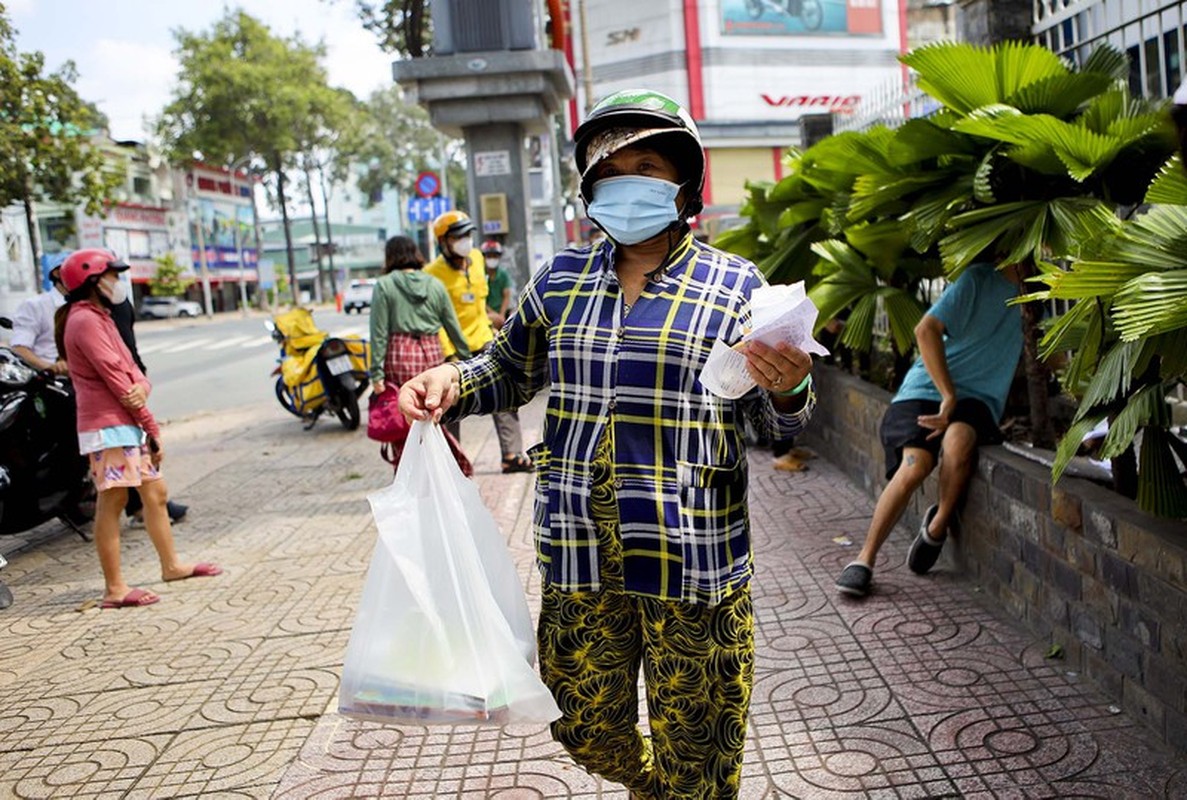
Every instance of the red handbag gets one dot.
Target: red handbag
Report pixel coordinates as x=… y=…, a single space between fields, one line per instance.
x=385 y=423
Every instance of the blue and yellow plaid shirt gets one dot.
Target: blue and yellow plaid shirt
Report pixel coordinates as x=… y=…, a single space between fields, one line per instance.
x=680 y=470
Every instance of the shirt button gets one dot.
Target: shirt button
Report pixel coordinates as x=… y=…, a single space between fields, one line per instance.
x=618 y=483
x=612 y=404
x=622 y=332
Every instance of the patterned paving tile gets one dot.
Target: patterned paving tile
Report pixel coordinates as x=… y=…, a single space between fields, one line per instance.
x=106 y=768
x=228 y=761
x=227 y=687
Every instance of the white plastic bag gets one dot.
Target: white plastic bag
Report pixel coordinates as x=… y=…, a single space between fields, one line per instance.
x=443 y=633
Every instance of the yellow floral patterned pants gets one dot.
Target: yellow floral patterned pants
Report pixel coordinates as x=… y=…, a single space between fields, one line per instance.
x=698 y=668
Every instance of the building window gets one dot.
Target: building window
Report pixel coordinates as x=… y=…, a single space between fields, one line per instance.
x=142 y=186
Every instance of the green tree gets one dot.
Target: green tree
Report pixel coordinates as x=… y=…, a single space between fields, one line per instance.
x=243 y=91
x=399 y=142
x=169 y=280
x=401 y=26
x=45 y=152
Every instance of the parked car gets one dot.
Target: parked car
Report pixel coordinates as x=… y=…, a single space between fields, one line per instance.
x=358 y=295
x=168 y=307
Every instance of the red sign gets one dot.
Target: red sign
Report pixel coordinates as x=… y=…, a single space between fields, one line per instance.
x=838 y=104
x=428 y=184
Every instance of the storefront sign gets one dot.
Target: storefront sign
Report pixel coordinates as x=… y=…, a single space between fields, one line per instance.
x=490 y=163
x=835 y=103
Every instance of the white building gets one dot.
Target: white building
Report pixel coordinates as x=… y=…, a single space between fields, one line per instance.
x=749 y=71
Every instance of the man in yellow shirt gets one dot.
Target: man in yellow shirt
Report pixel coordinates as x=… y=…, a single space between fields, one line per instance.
x=461 y=268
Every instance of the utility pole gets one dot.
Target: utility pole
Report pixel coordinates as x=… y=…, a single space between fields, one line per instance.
x=586 y=71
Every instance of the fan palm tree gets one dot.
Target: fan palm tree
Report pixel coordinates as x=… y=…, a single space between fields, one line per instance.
x=1128 y=329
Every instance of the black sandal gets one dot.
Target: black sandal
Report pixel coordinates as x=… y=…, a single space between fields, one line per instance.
x=517 y=463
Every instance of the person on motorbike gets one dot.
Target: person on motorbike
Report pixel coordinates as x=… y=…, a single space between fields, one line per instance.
x=498 y=278
x=33 y=327
x=116 y=431
x=460 y=266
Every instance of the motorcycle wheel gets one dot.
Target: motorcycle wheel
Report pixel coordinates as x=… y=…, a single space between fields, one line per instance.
x=287 y=401
x=348 y=411
x=812 y=15
x=754 y=8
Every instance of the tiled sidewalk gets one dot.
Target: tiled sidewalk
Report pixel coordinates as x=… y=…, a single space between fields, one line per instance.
x=227 y=688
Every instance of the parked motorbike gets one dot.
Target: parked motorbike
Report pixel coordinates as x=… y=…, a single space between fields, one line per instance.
x=809 y=12
x=42 y=475
x=317 y=372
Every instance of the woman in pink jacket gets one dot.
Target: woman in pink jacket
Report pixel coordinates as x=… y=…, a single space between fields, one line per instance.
x=116 y=431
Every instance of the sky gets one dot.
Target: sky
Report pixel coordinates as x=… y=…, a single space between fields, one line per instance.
x=123 y=49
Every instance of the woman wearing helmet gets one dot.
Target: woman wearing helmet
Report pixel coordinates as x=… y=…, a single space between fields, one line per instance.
x=641 y=522
x=116 y=431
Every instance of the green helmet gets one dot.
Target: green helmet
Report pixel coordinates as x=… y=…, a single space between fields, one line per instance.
x=631 y=115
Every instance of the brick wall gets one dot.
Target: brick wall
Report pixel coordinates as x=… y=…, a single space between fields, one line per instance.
x=1081 y=566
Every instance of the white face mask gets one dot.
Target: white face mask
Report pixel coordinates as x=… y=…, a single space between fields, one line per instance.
x=462 y=247
x=115 y=291
x=492 y=263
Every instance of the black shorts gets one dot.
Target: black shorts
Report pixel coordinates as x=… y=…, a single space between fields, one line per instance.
x=900 y=427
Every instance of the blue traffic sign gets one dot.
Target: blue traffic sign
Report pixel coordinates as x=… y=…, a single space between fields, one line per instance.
x=426 y=209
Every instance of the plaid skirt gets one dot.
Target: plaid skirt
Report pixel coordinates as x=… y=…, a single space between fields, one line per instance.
x=409 y=354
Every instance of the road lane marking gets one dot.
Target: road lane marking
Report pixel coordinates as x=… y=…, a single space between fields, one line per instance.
x=257 y=342
x=231 y=342
x=152 y=348
x=191 y=344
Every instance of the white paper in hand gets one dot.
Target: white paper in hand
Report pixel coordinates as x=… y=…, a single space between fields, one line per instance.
x=778 y=314
x=784 y=314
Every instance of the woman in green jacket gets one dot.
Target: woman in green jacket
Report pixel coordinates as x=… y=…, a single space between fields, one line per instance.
x=408 y=308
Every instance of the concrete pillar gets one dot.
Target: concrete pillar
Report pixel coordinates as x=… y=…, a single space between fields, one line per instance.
x=494 y=100
x=488 y=144
x=992 y=21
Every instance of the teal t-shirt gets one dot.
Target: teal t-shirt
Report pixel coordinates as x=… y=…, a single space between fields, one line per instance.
x=982 y=340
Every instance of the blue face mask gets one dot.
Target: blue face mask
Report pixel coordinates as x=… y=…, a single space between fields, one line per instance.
x=632 y=208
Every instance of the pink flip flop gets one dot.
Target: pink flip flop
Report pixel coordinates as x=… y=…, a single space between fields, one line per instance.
x=133 y=599
x=203 y=569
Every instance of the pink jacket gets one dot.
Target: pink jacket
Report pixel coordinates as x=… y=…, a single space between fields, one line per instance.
x=102 y=371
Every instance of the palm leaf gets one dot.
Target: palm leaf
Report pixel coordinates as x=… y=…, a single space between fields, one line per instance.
x=1172 y=350
x=982 y=179
x=858 y=333
x=1078 y=224
x=1170 y=184
x=882 y=243
x=929 y=214
x=1111 y=379
x=1069 y=445
x=1146 y=407
x=1151 y=304
x=919 y=140
x=903 y=312
x=1156 y=240
x=802 y=212
x=961 y=76
x=977 y=230
x=1089 y=279
x=1022 y=64
x=1059 y=95
x=1161 y=489
x=1107 y=60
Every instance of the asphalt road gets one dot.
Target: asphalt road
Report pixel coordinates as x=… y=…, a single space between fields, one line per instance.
x=203 y=365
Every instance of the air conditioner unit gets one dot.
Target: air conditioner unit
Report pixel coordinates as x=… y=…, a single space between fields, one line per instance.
x=466 y=26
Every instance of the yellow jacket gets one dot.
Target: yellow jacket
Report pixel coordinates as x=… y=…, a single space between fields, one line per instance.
x=467 y=291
